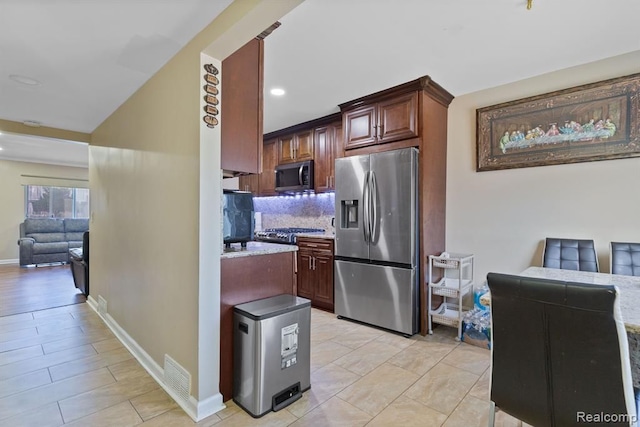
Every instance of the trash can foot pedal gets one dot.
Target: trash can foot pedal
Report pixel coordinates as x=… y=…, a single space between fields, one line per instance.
x=286 y=397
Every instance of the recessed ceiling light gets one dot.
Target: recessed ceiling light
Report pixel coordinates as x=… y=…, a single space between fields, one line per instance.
x=24 y=80
x=0 y=148
x=276 y=91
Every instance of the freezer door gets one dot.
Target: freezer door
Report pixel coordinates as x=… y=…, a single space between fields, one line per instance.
x=395 y=208
x=379 y=295
x=351 y=238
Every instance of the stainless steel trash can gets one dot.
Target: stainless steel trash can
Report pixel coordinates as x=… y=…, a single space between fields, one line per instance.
x=271 y=353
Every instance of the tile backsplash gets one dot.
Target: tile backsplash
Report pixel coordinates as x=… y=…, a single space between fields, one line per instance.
x=304 y=210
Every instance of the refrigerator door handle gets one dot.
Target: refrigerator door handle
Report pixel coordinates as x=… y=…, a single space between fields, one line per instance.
x=368 y=204
x=365 y=207
x=374 y=209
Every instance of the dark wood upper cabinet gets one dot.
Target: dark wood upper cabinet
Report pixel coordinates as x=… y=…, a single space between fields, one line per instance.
x=298 y=142
x=295 y=147
x=398 y=118
x=360 y=126
x=286 y=149
x=250 y=183
x=327 y=142
x=304 y=145
x=269 y=163
x=381 y=122
x=338 y=144
x=241 y=107
x=323 y=157
x=263 y=184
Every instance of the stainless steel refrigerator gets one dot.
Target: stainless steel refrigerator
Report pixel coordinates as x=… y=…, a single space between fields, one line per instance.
x=376 y=243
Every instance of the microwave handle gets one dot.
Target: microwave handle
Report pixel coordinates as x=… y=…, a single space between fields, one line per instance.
x=300 y=175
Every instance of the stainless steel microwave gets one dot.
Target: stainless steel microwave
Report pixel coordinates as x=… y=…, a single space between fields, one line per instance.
x=294 y=177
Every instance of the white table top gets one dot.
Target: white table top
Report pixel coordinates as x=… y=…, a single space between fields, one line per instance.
x=628 y=286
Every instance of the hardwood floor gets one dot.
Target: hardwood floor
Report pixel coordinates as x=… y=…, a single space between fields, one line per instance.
x=23 y=290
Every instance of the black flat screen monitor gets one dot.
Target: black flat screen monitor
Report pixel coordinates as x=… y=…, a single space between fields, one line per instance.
x=237 y=217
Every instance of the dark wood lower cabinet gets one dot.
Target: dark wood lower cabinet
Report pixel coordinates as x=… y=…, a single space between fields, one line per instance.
x=323 y=292
x=315 y=271
x=305 y=274
x=245 y=279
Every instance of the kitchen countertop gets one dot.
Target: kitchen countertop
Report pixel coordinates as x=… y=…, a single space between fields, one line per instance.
x=323 y=235
x=256 y=248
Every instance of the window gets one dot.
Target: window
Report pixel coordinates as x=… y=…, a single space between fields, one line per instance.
x=56 y=202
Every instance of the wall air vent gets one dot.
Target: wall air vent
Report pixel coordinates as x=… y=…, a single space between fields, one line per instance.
x=177 y=378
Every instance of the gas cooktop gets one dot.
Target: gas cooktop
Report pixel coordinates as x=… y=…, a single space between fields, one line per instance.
x=283 y=235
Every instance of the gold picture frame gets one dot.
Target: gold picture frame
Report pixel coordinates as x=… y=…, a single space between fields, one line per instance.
x=597 y=121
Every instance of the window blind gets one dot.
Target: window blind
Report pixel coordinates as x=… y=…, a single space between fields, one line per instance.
x=52 y=181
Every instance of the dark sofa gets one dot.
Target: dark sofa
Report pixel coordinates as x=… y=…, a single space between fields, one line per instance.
x=48 y=240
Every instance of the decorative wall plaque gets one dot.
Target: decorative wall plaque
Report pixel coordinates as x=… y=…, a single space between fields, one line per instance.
x=211 y=89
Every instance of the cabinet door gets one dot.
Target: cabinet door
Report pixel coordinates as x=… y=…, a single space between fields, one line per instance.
x=323 y=158
x=269 y=163
x=323 y=264
x=398 y=118
x=304 y=146
x=360 y=127
x=286 y=149
x=241 y=128
x=305 y=274
x=250 y=183
x=338 y=152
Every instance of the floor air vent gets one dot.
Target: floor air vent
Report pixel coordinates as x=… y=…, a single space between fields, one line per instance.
x=177 y=378
x=102 y=305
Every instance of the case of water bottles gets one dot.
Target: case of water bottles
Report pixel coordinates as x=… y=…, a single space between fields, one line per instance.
x=476 y=324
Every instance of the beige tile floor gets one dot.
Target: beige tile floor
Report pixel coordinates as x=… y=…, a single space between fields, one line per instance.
x=63 y=366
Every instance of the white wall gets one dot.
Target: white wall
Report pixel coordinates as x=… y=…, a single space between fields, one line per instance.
x=156 y=183
x=504 y=216
x=12 y=199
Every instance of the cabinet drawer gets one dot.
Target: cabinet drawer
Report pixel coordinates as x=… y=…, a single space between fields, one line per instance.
x=315 y=243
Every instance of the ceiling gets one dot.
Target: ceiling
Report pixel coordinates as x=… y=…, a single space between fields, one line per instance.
x=90 y=56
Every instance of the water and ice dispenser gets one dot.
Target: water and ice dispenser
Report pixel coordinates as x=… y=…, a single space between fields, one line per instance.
x=349 y=213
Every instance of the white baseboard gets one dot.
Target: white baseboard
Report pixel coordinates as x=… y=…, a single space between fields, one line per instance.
x=196 y=409
x=8 y=261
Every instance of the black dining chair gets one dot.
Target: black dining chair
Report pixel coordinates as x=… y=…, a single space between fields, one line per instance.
x=79 y=259
x=624 y=258
x=570 y=254
x=559 y=352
